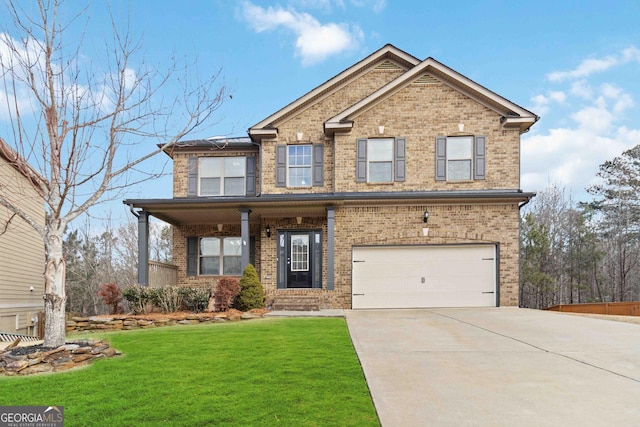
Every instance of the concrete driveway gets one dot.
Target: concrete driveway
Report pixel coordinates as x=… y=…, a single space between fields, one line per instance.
x=498 y=367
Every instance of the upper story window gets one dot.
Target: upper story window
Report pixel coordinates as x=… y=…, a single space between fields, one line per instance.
x=460 y=158
x=218 y=256
x=381 y=160
x=300 y=165
x=221 y=176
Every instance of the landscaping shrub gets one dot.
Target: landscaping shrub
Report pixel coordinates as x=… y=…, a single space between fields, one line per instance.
x=167 y=299
x=138 y=298
x=111 y=296
x=251 y=291
x=195 y=299
x=226 y=293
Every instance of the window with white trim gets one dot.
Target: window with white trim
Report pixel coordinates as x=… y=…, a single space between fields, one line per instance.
x=460 y=158
x=220 y=256
x=221 y=176
x=380 y=160
x=299 y=164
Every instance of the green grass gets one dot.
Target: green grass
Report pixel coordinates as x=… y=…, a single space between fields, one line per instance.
x=289 y=372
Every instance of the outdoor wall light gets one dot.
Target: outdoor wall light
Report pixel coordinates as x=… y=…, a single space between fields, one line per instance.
x=268 y=231
x=425 y=218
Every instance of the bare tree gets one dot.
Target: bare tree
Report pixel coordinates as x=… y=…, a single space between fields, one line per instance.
x=75 y=128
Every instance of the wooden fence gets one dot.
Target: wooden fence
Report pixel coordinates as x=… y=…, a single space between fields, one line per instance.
x=162 y=274
x=631 y=308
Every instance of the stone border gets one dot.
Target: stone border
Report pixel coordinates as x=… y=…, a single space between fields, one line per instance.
x=73 y=354
x=129 y=321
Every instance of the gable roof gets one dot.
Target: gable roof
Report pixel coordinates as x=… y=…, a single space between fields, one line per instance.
x=388 y=55
x=513 y=116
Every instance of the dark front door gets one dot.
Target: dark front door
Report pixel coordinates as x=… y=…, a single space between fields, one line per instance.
x=299 y=259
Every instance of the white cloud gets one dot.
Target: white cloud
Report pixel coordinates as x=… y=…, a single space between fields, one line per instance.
x=571 y=155
x=587 y=123
x=558 y=96
x=596 y=65
x=541 y=103
x=314 y=41
x=581 y=89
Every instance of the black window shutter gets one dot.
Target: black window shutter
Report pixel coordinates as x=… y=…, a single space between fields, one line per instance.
x=480 y=157
x=441 y=158
x=281 y=165
x=400 y=160
x=192 y=256
x=251 y=176
x=316 y=280
x=361 y=160
x=192 y=176
x=318 y=165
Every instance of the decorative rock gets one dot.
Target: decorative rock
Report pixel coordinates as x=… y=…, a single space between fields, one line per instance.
x=99 y=349
x=249 y=315
x=70 y=347
x=16 y=366
x=37 y=369
x=100 y=319
x=82 y=357
x=109 y=352
x=67 y=356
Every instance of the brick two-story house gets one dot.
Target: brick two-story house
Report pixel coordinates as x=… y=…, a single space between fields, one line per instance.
x=395 y=183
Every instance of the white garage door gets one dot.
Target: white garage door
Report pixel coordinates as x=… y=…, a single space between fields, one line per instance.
x=424 y=276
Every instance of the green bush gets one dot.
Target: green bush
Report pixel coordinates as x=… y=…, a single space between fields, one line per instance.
x=195 y=299
x=168 y=299
x=251 y=291
x=138 y=298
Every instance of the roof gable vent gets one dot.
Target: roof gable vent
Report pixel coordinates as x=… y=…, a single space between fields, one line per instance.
x=426 y=79
x=388 y=65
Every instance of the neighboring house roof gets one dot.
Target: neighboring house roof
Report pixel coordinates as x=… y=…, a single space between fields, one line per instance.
x=21 y=165
x=267 y=127
x=512 y=115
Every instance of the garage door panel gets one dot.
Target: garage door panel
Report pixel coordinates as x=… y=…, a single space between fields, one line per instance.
x=424 y=276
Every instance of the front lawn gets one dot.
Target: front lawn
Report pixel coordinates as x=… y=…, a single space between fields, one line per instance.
x=259 y=372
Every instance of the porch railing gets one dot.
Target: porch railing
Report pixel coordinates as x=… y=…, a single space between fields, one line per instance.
x=162 y=274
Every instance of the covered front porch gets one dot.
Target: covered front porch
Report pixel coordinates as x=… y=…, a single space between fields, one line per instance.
x=290 y=242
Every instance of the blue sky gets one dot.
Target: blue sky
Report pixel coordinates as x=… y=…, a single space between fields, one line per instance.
x=574 y=63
